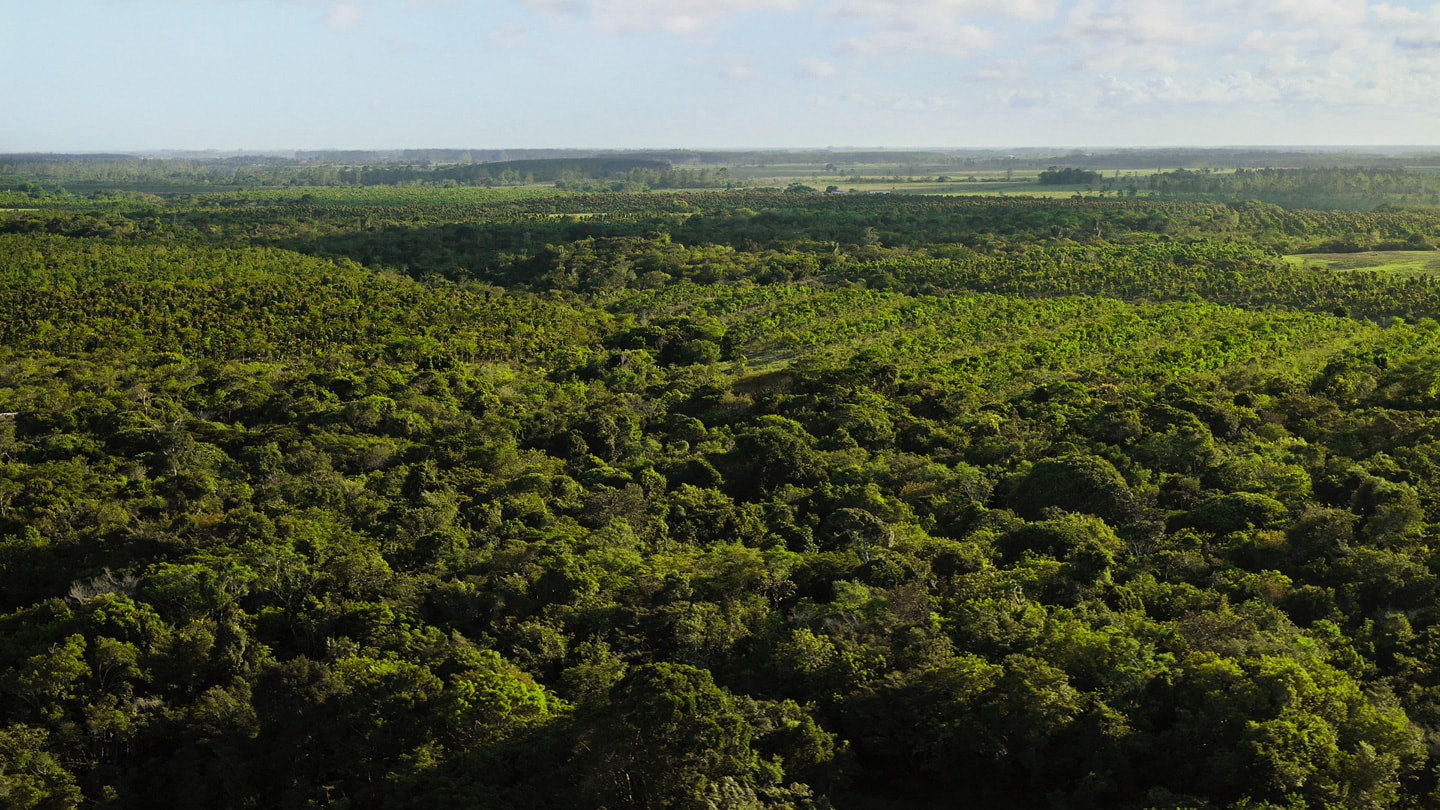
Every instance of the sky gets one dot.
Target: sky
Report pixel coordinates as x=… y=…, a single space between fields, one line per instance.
x=117 y=75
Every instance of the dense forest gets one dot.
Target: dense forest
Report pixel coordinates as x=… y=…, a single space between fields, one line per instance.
x=411 y=497
x=1351 y=187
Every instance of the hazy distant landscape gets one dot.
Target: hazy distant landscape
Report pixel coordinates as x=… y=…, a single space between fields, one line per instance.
x=1353 y=177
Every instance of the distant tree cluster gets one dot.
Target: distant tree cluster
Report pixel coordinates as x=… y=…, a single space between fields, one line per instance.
x=1344 y=187
x=1068 y=177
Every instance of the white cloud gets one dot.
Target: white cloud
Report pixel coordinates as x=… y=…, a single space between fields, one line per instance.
x=1234 y=88
x=1292 y=53
x=1342 y=83
x=1122 y=58
x=888 y=12
x=736 y=68
x=954 y=39
x=1025 y=99
x=343 y=16
x=1010 y=71
x=1228 y=91
x=813 y=68
x=1274 y=42
x=906 y=102
x=1238 y=86
x=1384 y=14
x=1134 y=22
x=1419 y=42
x=673 y=16
x=896 y=102
x=555 y=6
x=1312 y=13
x=951 y=27
x=510 y=35
x=1260 y=53
x=1117 y=92
x=1132 y=36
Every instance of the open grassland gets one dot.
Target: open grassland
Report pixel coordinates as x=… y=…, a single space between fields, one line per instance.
x=1402 y=262
x=1003 y=189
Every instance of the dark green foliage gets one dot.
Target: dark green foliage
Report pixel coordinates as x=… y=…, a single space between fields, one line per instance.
x=668 y=735
x=1068 y=177
x=413 y=498
x=1235 y=512
x=774 y=453
x=1074 y=483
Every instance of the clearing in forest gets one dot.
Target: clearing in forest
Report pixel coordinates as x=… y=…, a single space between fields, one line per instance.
x=1407 y=262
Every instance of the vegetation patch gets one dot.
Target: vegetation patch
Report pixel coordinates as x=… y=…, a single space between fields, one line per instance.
x=409 y=497
x=1404 y=262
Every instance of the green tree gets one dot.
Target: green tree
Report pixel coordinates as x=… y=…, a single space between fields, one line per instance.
x=664 y=736
x=30 y=777
x=1074 y=483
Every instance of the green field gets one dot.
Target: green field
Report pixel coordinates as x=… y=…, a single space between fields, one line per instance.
x=1403 y=262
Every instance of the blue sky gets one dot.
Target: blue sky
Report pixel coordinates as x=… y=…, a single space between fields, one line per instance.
x=371 y=74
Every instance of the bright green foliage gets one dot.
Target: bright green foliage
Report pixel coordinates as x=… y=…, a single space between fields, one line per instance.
x=405 y=497
x=486 y=704
x=1236 y=512
x=30 y=778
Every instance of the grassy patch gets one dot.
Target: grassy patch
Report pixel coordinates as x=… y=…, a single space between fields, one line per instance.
x=1404 y=262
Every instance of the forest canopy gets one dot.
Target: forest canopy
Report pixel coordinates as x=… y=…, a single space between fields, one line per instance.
x=406 y=497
